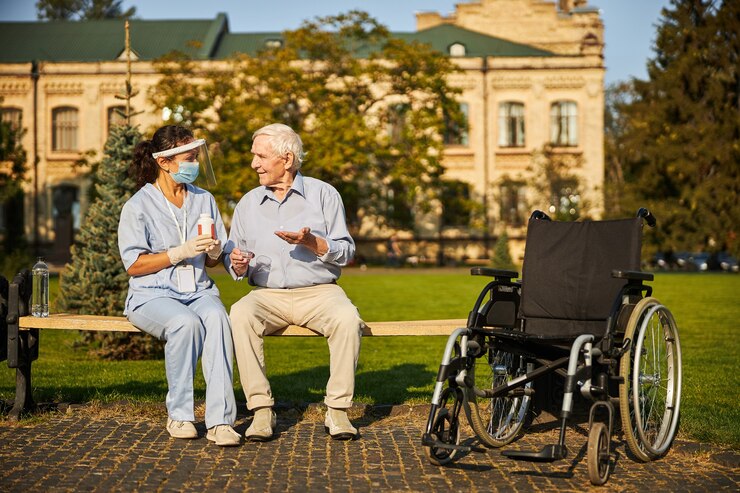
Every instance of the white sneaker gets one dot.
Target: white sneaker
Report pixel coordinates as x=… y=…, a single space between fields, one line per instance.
x=181 y=429
x=262 y=426
x=338 y=426
x=224 y=435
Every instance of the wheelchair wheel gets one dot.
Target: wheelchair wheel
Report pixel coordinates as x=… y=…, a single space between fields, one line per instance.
x=497 y=421
x=598 y=453
x=446 y=427
x=650 y=391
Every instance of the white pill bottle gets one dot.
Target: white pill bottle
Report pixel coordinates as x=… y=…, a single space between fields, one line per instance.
x=206 y=226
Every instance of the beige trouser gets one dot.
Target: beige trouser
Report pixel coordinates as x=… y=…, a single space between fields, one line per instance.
x=324 y=308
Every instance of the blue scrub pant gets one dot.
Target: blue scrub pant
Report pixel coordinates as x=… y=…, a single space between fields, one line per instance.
x=190 y=329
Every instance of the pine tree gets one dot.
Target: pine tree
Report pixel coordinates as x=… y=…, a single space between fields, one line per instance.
x=679 y=150
x=95 y=282
x=501 y=255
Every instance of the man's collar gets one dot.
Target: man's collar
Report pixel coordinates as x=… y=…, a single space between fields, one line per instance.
x=297 y=186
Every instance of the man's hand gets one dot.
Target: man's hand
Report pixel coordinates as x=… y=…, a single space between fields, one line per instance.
x=240 y=261
x=306 y=238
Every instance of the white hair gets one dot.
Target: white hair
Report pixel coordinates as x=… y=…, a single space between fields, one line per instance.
x=283 y=139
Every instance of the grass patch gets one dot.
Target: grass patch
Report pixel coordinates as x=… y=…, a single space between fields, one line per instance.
x=402 y=369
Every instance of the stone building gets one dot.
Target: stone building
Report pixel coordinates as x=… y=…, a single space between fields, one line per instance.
x=532 y=80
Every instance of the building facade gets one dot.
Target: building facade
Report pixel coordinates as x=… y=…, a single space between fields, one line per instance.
x=532 y=85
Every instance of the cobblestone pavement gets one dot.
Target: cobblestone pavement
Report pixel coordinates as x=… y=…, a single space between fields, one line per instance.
x=121 y=449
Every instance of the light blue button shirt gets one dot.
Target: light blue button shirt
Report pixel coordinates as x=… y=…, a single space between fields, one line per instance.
x=277 y=264
x=147 y=226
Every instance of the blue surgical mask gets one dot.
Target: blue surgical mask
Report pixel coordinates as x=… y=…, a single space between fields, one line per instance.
x=187 y=172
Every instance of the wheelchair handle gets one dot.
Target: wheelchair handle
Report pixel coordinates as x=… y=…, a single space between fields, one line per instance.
x=539 y=215
x=647 y=216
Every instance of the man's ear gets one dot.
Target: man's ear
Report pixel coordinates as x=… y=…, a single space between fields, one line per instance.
x=289 y=158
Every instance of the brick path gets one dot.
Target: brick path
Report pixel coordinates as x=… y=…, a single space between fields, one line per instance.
x=117 y=449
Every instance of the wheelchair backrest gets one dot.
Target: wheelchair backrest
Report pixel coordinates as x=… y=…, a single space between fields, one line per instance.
x=567 y=286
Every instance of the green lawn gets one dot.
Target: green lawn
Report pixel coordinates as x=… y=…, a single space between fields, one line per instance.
x=403 y=369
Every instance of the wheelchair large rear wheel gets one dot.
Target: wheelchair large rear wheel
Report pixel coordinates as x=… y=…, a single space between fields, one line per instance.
x=650 y=388
x=497 y=421
x=446 y=427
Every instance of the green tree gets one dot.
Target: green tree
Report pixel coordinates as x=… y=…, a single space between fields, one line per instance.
x=12 y=170
x=558 y=189
x=501 y=254
x=95 y=282
x=679 y=148
x=67 y=10
x=371 y=110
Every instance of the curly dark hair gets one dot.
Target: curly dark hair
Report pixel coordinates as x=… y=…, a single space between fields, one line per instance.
x=144 y=168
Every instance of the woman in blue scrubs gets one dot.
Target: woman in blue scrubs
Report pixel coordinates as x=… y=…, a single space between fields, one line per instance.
x=170 y=295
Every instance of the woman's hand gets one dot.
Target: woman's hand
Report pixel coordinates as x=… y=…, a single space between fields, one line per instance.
x=189 y=249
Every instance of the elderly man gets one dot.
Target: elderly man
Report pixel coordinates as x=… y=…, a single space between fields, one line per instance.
x=290 y=238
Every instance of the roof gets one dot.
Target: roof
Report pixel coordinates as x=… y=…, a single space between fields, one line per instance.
x=103 y=40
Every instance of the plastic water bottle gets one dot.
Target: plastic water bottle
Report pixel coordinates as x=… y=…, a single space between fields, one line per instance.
x=206 y=225
x=40 y=289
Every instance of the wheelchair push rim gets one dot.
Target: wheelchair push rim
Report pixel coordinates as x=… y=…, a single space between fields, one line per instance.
x=497 y=421
x=650 y=392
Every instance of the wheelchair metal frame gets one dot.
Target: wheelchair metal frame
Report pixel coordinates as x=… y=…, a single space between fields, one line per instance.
x=589 y=366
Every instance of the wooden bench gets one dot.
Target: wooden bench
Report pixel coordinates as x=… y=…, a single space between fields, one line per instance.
x=19 y=332
x=121 y=324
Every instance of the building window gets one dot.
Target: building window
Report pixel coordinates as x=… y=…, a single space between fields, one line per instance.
x=564 y=124
x=13 y=116
x=397 y=212
x=512 y=205
x=64 y=129
x=511 y=124
x=116 y=117
x=457 y=49
x=454 y=134
x=456 y=203
x=396 y=122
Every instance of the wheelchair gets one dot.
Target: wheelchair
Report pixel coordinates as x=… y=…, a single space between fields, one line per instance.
x=581 y=312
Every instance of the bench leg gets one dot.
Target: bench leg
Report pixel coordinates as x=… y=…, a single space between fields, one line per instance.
x=23 y=394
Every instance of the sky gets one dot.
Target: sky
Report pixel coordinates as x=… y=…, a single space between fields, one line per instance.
x=629 y=25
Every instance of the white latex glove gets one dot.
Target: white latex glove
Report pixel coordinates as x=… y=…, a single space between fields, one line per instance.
x=214 y=249
x=189 y=249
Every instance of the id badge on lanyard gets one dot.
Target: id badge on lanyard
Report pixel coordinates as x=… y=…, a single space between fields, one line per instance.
x=185 y=278
x=185 y=272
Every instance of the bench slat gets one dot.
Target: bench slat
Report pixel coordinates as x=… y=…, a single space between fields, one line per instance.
x=121 y=324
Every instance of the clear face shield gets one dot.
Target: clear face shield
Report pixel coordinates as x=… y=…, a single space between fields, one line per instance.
x=199 y=153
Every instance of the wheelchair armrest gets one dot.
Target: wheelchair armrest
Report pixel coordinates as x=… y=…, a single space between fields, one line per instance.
x=632 y=275
x=498 y=274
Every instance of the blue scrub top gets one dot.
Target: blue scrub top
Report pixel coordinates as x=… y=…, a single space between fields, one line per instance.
x=146 y=226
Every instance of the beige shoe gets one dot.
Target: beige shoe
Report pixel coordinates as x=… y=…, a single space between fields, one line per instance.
x=338 y=426
x=263 y=424
x=181 y=429
x=224 y=435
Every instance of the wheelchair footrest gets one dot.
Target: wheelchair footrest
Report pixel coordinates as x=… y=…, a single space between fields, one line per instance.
x=549 y=453
x=450 y=446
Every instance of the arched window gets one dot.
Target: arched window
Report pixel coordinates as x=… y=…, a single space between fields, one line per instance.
x=64 y=125
x=454 y=133
x=457 y=49
x=273 y=44
x=564 y=124
x=511 y=124
x=13 y=116
x=115 y=117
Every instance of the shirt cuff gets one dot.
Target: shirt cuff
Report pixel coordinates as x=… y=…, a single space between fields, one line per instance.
x=331 y=252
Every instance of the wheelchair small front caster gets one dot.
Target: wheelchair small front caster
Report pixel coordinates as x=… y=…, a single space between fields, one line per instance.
x=445 y=428
x=598 y=453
